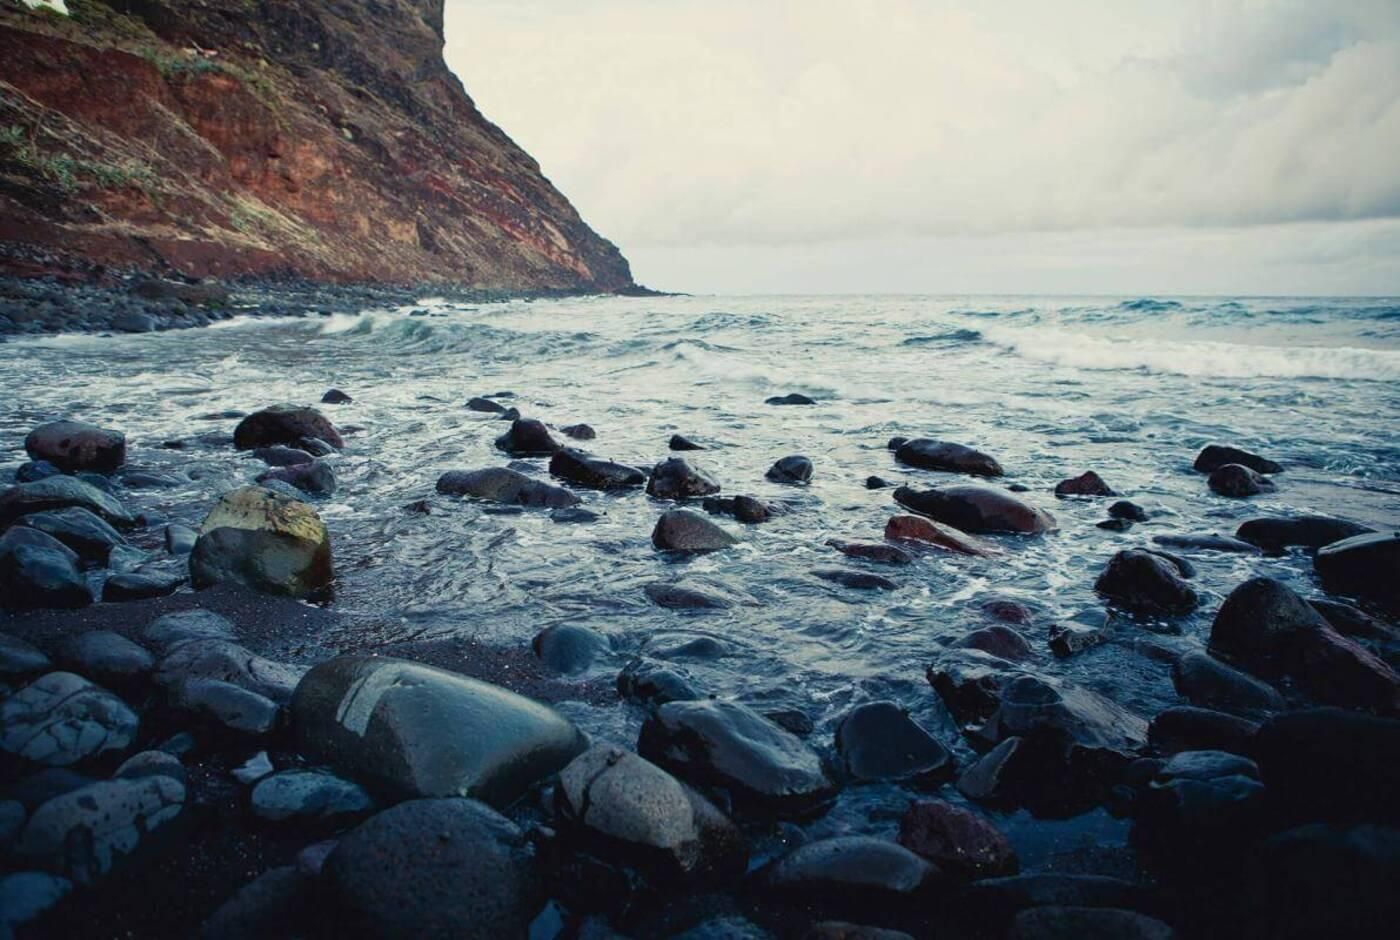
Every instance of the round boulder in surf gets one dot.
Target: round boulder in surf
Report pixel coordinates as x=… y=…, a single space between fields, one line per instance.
x=976 y=509
x=407 y=730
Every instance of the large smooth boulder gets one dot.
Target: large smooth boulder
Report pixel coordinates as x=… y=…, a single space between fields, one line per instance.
x=1238 y=481
x=1364 y=566
x=976 y=509
x=504 y=485
x=1274 y=535
x=1146 y=583
x=942 y=455
x=879 y=741
x=928 y=532
x=39 y=572
x=75 y=445
x=957 y=840
x=266 y=541
x=285 y=424
x=433 y=868
x=409 y=730
x=794 y=469
x=83 y=531
x=61 y=719
x=677 y=478
x=593 y=472
x=724 y=744
x=528 y=437
x=681 y=530
x=1268 y=630
x=60 y=493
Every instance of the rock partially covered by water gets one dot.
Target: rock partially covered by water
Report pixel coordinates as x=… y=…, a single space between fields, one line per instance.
x=593 y=472
x=1215 y=456
x=528 y=437
x=433 y=868
x=879 y=741
x=1270 y=631
x=1147 y=583
x=39 y=572
x=928 y=532
x=970 y=682
x=681 y=530
x=859 y=580
x=335 y=396
x=957 y=840
x=282 y=456
x=60 y=493
x=503 y=485
x=285 y=424
x=680 y=597
x=569 y=647
x=1274 y=535
x=74 y=445
x=792 y=398
x=851 y=870
x=1239 y=481
x=316 y=478
x=791 y=469
x=1364 y=566
x=650 y=683
x=742 y=508
x=410 y=730
x=266 y=541
x=680 y=442
x=485 y=406
x=872 y=551
x=579 y=432
x=727 y=745
x=976 y=509
x=1088 y=483
x=61 y=719
x=627 y=810
x=942 y=455
x=676 y=478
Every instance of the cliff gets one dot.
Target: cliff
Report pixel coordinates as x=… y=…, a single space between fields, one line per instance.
x=320 y=139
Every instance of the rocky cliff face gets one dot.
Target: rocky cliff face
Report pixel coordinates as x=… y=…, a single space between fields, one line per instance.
x=311 y=138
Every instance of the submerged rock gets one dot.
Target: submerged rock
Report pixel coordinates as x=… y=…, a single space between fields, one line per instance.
x=579 y=432
x=503 y=485
x=569 y=647
x=280 y=455
x=791 y=469
x=970 y=682
x=872 y=551
x=1147 y=583
x=265 y=541
x=593 y=472
x=681 y=530
x=335 y=396
x=680 y=597
x=39 y=572
x=412 y=730
x=677 y=479
x=652 y=684
x=998 y=640
x=879 y=741
x=485 y=406
x=942 y=455
x=1215 y=456
x=858 y=580
x=1365 y=566
x=976 y=509
x=1088 y=483
x=926 y=531
x=1123 y=509
x=285 y=424
x=528 y=437
x=74 y=445
x=61 y=719
x=792 y=398
x=1209 y=542
x=1239 y=481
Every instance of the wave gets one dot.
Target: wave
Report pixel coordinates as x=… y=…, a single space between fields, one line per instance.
x=951 y=336
x=1149 y=305
x=402 y=335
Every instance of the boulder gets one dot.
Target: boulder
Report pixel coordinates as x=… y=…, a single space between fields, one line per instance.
x=941 y=455
x=264 y=541
x=998 y=640
x=678 y=442
x=80 y=529
x=36 y=470
x=485 y=406
x=1192 y=729
x=1364 y=566
x=316 y=478
x=410 y=730
x=1088 y=483
x=928 y=532
x=681 y=530
x=308 y=796
x=230 y=706
x=680 y=597
x=1206 y=542
x=792 y=469
x=727 y=745
x=1071 y=639
x=73 y=446
x=285 y=424
x=792 y=398
x=528 y=437
x=503 y=485
x=593 y=472
x=1084 y=719
x=1207 y=682
x=742 y=508
x=335 y=396
x=677 y=479
x=878 y=741
x=851 y=870
x=180 y=539
x=970 y=682
x=20 y=659
x=569 y=648
x=432 y=868
x=1132 y=512
x=165 y=632
x=1215 y=456
x=1350 y=621
x=1146 y=583
x=1275 y=535
x=60 y=493
x=650 y=683
x=873 y=482
x=957 y=840
x=61 y=719
x=142 y=585
x=39 y=572
x=579 y=432
x=1239 y=481
x=872 y=551
x=151 y=764
x=104 y=656
x=225 y=661
x=280 y=455
x=976 y=509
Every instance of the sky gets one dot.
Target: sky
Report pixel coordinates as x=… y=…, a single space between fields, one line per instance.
x=930 y=146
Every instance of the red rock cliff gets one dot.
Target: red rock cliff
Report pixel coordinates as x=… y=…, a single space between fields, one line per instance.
x=314 y=138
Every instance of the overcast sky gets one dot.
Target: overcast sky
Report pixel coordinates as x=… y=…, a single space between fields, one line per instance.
x=1021 y=146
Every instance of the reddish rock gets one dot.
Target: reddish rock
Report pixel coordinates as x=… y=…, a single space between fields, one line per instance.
x=919 y=529
x=284 y=424
x=977 y=509
x=999 y=641
x=957 y=840
x=73 y=445
x=1086 y=484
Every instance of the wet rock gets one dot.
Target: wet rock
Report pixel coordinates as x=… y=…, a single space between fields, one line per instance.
x=792 y=719
x=629 y=811
x=316 y=447
x=653 y=684
x=279 y=901
x=679 y=597
x=677 y=479
x=872 y=551
x=976 y=509
x=1365 y=566
x=927 y=532
x=1147 y=584
x=285 y=424
x=165 y=632
x=574 y=514
x=107 y=657
x=679 y=442
x=433 y=868
x=316 y=478
x=1210 y=542
x=1071 y=639
x=151 y=764
x=681 y=530
x=61 y=719
x=791 y=469
x=970 y=682
x=26 y=895
x=859 y=580
x=997 y=640
x=1057 y=922
x=39 y=572
x=877 y=483
x=1215 y=456
x=942 y=455
x=485 y=406
x=1275 y=535
x=228 y=662
x=1195 y=729
x=528 y=437
x=180 y=539
x=280 y=455
x=878 y=741
x=60 y=493
x=141 y=585
x=569 y=648
x=335 y=396
x=308 y=796
x=73 y=446
x=957 y=840
x=1332 y=764
x=84 y=834
x=1114 y=525
x=36 y=470
x=81 y=530
x=1239 y=481
x=264 y=541
x=727 y=745
x=1088 y=483
x=854 y=870
x=742 y=508
x=144 y=480
x=19 y=659
x=1270 y=631
x=579 y=432
x=231 y=706
x=998 y=899
x=412 y=730
x=503 y=485
x=1205 y=681
x=1349 y=621
x=1085 y=719
x=792 y=398
x=253 y=769
x=593 y=472
x=1123 y=509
